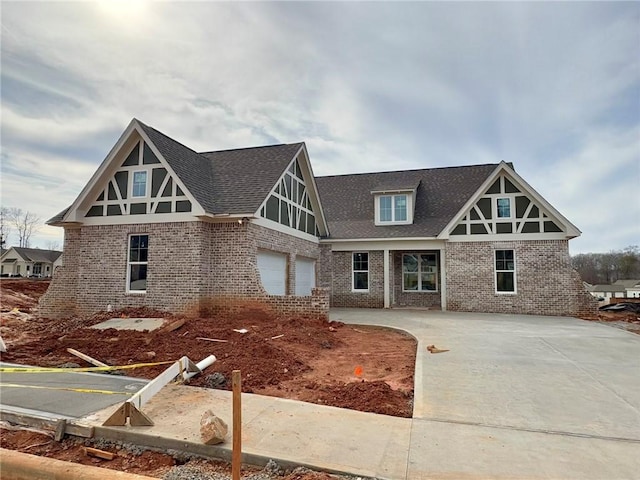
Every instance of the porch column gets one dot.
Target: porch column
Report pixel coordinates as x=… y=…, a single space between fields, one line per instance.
x=387 y=287
x=443 y=282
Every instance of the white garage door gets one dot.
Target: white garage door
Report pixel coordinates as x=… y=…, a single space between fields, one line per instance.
x=305 y=275
x=273 y=271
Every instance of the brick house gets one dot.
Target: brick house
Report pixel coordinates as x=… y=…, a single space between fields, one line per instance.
x=163 y=226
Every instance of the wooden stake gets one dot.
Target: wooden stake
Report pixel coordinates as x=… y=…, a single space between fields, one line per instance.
x=236 y=455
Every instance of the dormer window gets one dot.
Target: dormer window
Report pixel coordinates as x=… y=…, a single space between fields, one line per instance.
x=394 y=204
x=393 y=208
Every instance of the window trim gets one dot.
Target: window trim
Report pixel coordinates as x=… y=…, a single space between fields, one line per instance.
x=511 y=207
x=133 y=183
x=354 y=271
x=409 y=208
x=419 y=290
x=130 y=263
x=496 y=271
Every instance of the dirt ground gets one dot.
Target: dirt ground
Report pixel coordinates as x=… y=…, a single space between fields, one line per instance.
x=358 y=367
x=131 y=459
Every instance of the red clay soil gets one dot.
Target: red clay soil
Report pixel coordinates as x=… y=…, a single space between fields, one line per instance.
x=362 y=368
x=137 y=461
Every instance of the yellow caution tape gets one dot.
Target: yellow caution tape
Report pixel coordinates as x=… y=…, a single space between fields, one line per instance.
x=85 y=369
x=68 y=389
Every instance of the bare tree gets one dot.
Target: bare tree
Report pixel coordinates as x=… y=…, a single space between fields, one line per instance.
x=52 y=245
x=26 y=223
x=5 y=225
x=608 y=267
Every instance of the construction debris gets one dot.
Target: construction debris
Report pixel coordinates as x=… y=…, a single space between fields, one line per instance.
x=622 y=307
x=175 y=325
x=94 y=452
x=434 y=349
x=212 y=339
x=213 y=430
x=87 y=358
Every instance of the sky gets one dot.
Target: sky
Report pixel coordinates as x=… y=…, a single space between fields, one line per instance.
x=553 y=88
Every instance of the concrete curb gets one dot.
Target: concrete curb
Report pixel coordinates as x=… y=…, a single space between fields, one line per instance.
x=23 y=466
x=214 y=452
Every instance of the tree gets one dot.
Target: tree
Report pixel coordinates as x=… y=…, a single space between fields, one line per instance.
x=606 y=268
x=5 y=225
x=52 y=245
x=26 y=224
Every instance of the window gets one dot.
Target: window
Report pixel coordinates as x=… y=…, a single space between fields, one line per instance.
x=137 y=264
x=392 y=208
x=361 y=271
x=139 y=184
x=504 y=207
x=505 y=271
x=420 y=272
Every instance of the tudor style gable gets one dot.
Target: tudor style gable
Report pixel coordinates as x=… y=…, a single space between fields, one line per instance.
x=134 y=184
x=293 y=202
x=506 y=207
x=141 y=185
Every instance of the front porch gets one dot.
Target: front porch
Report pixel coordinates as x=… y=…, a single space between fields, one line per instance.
x=414 y=279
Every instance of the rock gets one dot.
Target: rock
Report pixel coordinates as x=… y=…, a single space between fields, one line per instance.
x=273 y=469
x=215 y=380
x=150 y=355
x=212 y=429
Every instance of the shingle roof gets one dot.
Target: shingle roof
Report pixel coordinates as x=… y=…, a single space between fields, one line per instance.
x=192 y=168
x=627 y=283
x=59 y=216
x=38 y=255
x=228 y=181
x=243 y=178
x=442 y=192
x=222 y=182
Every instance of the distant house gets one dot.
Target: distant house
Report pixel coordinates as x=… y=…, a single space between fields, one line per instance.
x=618 y=289
x=164 y=226
x=29 y=262
x=631 y=287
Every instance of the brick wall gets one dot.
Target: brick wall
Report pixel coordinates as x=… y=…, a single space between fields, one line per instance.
x=59 y=301
x=192 y=266
x=341 y=286
x=546 y=283
x=419 y=299
x=95 y=269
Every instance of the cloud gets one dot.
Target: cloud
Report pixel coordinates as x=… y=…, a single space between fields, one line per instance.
x=369 y=86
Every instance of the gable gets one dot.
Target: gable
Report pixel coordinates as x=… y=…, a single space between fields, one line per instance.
x=134 y=184
x=440 y=193
x=507 y=207
x=292 y=202
x=140 y=185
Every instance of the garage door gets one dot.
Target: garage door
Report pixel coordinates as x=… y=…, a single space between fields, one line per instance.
x=305 y=275
x=273 y=271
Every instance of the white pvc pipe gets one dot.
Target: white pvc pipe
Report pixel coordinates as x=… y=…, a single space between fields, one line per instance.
x=202 y=364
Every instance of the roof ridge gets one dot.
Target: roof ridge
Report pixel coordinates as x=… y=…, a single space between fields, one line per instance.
x=250 y=148
x=408 y=170
x=165 y=135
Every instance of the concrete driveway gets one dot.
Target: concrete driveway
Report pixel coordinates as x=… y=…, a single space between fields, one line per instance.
x=519 y=396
